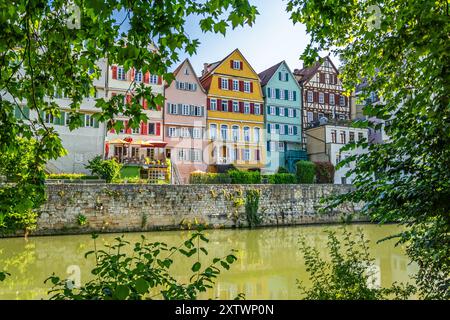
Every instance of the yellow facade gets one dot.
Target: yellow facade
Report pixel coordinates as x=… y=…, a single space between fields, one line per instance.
x=242 y=115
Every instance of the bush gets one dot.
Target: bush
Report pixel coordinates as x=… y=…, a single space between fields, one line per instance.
x=70 y=176
x=305 y=171
x=245 y=177
x=281 y=178
x=209 y=178
x=324 y=172
x=130 y=172
x=106 y=169
x=282 y=170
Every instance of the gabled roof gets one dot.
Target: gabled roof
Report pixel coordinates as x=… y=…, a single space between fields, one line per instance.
x=266 y=75
x=178 y=69
x=307 y=73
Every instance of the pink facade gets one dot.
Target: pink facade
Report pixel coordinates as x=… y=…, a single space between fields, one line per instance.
x=185 y=121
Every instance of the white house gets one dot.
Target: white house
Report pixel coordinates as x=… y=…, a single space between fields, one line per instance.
x=324 y=143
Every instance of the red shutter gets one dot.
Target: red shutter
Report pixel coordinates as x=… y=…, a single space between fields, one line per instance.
x=241 y=86
x=251 y=86
x=208 y=104
x=315 y=95
x=158 y=128
x=159 y=80
x=241 y=107
x=132 y=74
x=326 y=98
x=220 y=83
x=128 y=98
x=230 y=105
x=158 y=108
x=252 y=108
x=230 y=84
x=145 y=104
x=219 y=104
x=114 y=72
x=147 y=77
x=231 y=64
x=127 y=130
x=241 y=65
x=144 y=128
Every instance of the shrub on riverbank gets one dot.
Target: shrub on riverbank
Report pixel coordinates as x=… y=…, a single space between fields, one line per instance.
x=70 y=176
x=209 y=178
x=281 y=178
x=106 y=169
x=241 y=177
x=244 y=177
x=324 y=172
x=305 y=171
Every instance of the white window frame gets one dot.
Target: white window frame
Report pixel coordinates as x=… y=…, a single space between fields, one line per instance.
x=257 y=109
x=280 y=146
x=282 y=112
x=225 y=105
x=256 y=134
x=213 y=104
x=197 y=155
x=321 y=97
x=89 y=121
x=197 y=133
x=235 y=85
x=185 y=133
x=247 y=86
x=273 y=93
x=237 y=65
x=172 y=132
x=153 y=79
x=310 y=116
x=310 y=95
x=121 y=74
x=290 y=130
x=186 y=110
x=290 y=112
x=236 y=106
x=247 y=156
x=282 y=97
x=213 y=133
x=273 y=146
x=246 y=134
x=138 y=76
x=282 y=131
x=224 y=83
x=235 y=133
x=247 y=107
x=342 y=101
x=291 y=95
x=173 y=108
x=272 y=110
x=331 y=99
x=224 y=137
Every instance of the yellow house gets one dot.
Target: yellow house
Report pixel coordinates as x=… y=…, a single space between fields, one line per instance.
x=235 y=119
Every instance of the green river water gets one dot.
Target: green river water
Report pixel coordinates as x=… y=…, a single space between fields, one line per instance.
x=268 y=265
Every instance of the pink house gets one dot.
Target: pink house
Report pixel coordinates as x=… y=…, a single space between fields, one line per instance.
x=185 y=121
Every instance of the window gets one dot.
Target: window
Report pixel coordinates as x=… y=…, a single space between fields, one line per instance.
x=185 y=133
x=224 y=83
x=286 y=77
x=134 y=152
x=237 y=64
x=273 y=93
x=246 y=134
x=196 y=155
x=235 y=133
x=138 y=76
x=236 y=85
x=332 y=99
x=246 y=154
x=234 y=154
x=351 y=136
x=342 y=101
x=282 y=129
x=182 y=154
x=197 y=133
x=291 y=113
x=360 y=136
x=198 y=111
x=282 y=97
x=272 y=127
x=151 y=128
x=257 y=108
x=333 y=136
x=281 y=113
x=291 y=95
x=173 y=108
x=247 y=107
x=120 y=73
x=153 y=79
x=342 y=117
x=186 y=110
x=172 y=132
x=256 y=132
x=291 y=130
x=310 y=116
x=246 y=86
x=321 y=97
x=48 y=118
x=213 y=131
x=186 y=71
x=272 y=110
x=343 y=137
x=235 y=106
x=327 y=78
x=281 y=146
x=225 y=105
x=213 y=104
x=134 y=130
x=344 y=180
x=224 y=132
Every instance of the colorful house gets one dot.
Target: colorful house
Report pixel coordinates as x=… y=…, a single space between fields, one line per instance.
x=235 y=116
x=283 y=117
x=185 y=121
x=134 y=145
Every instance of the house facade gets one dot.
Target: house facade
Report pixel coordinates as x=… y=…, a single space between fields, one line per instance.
x=146 y=141
x=235 y=113
x=185 y=121
x=323 y=98
x=324 y=143
x=283 y=117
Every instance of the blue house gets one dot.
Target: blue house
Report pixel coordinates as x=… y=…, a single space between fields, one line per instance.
x=283 y=118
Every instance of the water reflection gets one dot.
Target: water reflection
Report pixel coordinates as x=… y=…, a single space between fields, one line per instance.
x=268 y=265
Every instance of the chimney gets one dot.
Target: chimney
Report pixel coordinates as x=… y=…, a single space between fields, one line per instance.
x=205 y=67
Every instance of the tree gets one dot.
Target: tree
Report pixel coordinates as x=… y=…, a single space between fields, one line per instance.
x=44 y=53
x=402 y=51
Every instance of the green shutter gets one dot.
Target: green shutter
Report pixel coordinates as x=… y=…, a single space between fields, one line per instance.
x=83 y=119
x=277 y=93
x=279 y=76
x=286 y=94
x=268 y=93
x=295 y=130
x=17 y=113
x=268 y=128
x=295 y=95
x=277 y=111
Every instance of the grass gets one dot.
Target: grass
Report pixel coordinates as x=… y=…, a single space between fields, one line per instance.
x=130 y=172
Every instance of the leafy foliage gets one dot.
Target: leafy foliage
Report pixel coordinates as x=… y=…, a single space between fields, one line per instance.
x=281 y=178
x=209 y=178
x=402 y=55
x=244 y=177
x=305 y=171
x=144 y=274
x=3 y=275
x=81 y=220
x=282 y=170
x=348 y=274
x=251 y=208
x=70 y=176
x=42 y=58
x=324 y=172
x=106 y=169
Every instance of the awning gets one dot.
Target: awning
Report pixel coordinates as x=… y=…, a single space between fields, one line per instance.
x=156 y=144
x=117 y=141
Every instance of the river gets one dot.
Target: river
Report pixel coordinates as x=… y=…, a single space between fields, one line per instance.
x=269 y=262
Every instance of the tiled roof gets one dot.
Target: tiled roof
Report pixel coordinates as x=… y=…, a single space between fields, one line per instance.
x=266 y=75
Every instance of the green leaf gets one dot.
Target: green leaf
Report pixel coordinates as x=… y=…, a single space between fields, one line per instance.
x=141 y=286
x=121 y=292
x=196 y=267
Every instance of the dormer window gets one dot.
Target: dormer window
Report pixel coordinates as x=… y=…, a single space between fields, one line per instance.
x=186 y=71
x=237 y=65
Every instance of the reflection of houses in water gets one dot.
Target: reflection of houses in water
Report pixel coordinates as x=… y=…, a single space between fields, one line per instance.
x=401 y=268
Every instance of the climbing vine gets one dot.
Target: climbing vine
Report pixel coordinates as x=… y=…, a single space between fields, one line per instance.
x=251 y=208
